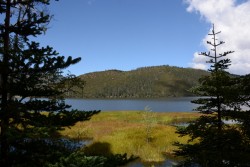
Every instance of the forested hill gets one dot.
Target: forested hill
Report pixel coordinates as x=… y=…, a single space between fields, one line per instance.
x=146 y=82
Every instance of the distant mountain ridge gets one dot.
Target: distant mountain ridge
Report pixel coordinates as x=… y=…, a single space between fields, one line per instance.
x=145 y=82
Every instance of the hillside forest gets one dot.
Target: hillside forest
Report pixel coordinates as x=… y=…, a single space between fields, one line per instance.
x=146 y=82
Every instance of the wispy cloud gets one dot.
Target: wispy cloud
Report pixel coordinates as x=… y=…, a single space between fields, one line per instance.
x=232 y=18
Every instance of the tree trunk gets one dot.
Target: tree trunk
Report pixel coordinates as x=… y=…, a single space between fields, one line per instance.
x=4 y=103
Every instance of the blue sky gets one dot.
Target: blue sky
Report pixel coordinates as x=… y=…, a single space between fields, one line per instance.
x=126 y=34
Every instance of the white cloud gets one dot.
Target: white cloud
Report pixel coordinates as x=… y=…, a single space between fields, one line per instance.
x=199 y=66
x=232 y=19
x=198 y=62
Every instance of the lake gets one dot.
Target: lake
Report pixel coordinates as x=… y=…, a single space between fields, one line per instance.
x=177 y=104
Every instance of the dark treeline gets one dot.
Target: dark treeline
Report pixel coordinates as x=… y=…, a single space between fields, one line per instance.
x=146 y=82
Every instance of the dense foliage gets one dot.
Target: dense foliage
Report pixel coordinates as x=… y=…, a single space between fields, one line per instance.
x=79 y=159
x=30 y=85
x=147 y=82
x=223 y=97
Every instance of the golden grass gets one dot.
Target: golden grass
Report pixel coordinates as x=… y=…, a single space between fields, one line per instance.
x=125 y=132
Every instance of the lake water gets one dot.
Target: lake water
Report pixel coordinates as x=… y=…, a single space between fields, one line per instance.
x=178 y=104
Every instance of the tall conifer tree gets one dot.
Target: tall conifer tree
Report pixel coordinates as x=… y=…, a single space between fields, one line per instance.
x=217 y=83
x=221 y=95
x=28 y=73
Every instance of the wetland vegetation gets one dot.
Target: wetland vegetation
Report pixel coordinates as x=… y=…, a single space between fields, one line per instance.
x=148 y=135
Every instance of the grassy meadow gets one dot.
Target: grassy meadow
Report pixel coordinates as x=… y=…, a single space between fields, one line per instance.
x=148 y=135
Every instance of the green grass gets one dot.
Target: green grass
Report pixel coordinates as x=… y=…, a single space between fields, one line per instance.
x=132 y=132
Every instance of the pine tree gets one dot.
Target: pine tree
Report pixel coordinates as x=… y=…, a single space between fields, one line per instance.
x=216 y=143
x=218 y=84
x=31 y=83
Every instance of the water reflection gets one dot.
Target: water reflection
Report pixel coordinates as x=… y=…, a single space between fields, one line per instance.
x=169 y=162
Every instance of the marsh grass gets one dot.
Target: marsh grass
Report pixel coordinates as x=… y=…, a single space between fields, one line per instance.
x=126 y=132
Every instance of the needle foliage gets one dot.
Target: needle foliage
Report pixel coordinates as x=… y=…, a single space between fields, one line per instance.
x=223 y=97
x=30 y=83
